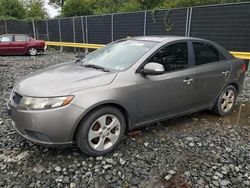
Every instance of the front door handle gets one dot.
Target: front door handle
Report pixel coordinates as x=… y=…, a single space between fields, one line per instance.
x=225 y=73
x=188 y=80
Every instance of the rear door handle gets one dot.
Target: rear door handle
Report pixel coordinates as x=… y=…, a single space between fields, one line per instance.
x=188 y=80
x=225 y=73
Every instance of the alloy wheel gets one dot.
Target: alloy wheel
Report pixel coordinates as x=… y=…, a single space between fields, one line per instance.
x=104 y=132
x=228 y=100
x=32 y=51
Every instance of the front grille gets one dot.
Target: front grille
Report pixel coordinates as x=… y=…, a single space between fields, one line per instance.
x=16 y=98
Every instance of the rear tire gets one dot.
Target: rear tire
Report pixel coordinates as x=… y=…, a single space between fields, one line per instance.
x=101 y=131
x=226 y=101
x=32 y=51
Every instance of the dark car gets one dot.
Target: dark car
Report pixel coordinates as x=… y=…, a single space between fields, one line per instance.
x=122 y=86
x=20 y=44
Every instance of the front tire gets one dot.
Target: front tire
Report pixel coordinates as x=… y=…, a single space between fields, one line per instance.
x=226 y=101
x=100 y=131
x=32 y=51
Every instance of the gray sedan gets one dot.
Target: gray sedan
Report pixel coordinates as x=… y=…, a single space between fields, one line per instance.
x=127 y=84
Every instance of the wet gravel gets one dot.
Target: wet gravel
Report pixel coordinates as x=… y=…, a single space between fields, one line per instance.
x=198 y=150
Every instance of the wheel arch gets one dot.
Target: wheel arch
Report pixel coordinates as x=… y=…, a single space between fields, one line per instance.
x=112 y=104
x=234 y=84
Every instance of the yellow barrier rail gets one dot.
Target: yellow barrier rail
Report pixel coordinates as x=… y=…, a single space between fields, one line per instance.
x=71 y=44
x=241 y=55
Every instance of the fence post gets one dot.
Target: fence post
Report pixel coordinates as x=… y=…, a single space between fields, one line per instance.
x=60 y=34
x=86 y=34
x=47 y=30
x=5 y=26
x=83 y=38
x=34 y=29
x=145 y=23
x=190 y=20
x=74 y=34
x=112 y=27
x=187 y=19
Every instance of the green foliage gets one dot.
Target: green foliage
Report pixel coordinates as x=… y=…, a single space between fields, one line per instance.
x=35 y=9
x=57 y=3
x=87 y=7
x=77 y=8
x=188 y=3
x=130 y=6
x=151 y=4
x=167 y=22
x=22 y=9
x=12 y=9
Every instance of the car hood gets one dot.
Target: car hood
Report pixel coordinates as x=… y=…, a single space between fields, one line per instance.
x=62 y=79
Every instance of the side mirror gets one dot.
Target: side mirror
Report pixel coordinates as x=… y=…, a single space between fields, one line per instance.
x=153 y=68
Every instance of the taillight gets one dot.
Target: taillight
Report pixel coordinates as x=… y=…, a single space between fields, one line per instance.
x=244 y=67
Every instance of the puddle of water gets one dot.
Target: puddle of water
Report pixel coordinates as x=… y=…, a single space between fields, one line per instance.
x=240 y=117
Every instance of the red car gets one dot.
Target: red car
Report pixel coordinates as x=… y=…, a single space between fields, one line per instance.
x=20 y=44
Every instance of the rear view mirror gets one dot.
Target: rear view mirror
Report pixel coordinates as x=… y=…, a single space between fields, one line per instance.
x=153 y=68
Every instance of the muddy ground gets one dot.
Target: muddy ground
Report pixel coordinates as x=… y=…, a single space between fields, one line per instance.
x=198 y=150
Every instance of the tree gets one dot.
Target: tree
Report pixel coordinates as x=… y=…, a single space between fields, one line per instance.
x=112 y=6
x=87 y=7
x=12 y=9
x=57 y=3
x=77 y=8
x=187 y=3
x=35 y=9
x=151 y=4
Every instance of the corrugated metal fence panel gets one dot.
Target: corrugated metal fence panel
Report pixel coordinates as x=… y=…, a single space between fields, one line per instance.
x=166 y=22
x=53 y=30
x=129 y=24
x=99 y=29
x=78 y=30
x=67 y=31
x=20 y=27
x=229 y=25
x=2 y=27
x=41 y=30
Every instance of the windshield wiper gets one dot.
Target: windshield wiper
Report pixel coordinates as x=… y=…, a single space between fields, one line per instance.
x=97 y=67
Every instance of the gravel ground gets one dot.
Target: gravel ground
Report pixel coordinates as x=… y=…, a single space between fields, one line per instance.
x=198 y=150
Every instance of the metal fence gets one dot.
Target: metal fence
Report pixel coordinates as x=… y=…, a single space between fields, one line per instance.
x=227 y=24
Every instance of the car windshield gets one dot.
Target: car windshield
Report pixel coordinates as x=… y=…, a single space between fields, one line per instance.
x=119 y=55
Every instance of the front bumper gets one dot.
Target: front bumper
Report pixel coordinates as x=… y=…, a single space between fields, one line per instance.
x=47 y=127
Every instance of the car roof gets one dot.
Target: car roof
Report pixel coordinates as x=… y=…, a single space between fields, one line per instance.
x=163 y=38
x=169 y=38
x=14 y=34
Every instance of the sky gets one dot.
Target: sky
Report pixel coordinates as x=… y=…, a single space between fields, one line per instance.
x=52 y=11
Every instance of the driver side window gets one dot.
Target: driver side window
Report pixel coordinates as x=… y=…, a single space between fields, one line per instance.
x=173 y=57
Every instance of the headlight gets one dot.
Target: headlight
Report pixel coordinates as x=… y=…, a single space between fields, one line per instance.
x=32 y=103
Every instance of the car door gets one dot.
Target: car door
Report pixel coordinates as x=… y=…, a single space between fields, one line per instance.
x=20 y=44
x=168 y=94
x=5 y=44
x=211 y=73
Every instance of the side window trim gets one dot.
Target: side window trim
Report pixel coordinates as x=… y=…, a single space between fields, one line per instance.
x=191 y=56
x=165 y=45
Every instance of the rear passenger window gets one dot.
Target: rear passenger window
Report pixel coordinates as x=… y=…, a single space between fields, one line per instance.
x=20 y=38
x=205 y=53
x=172 y=57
